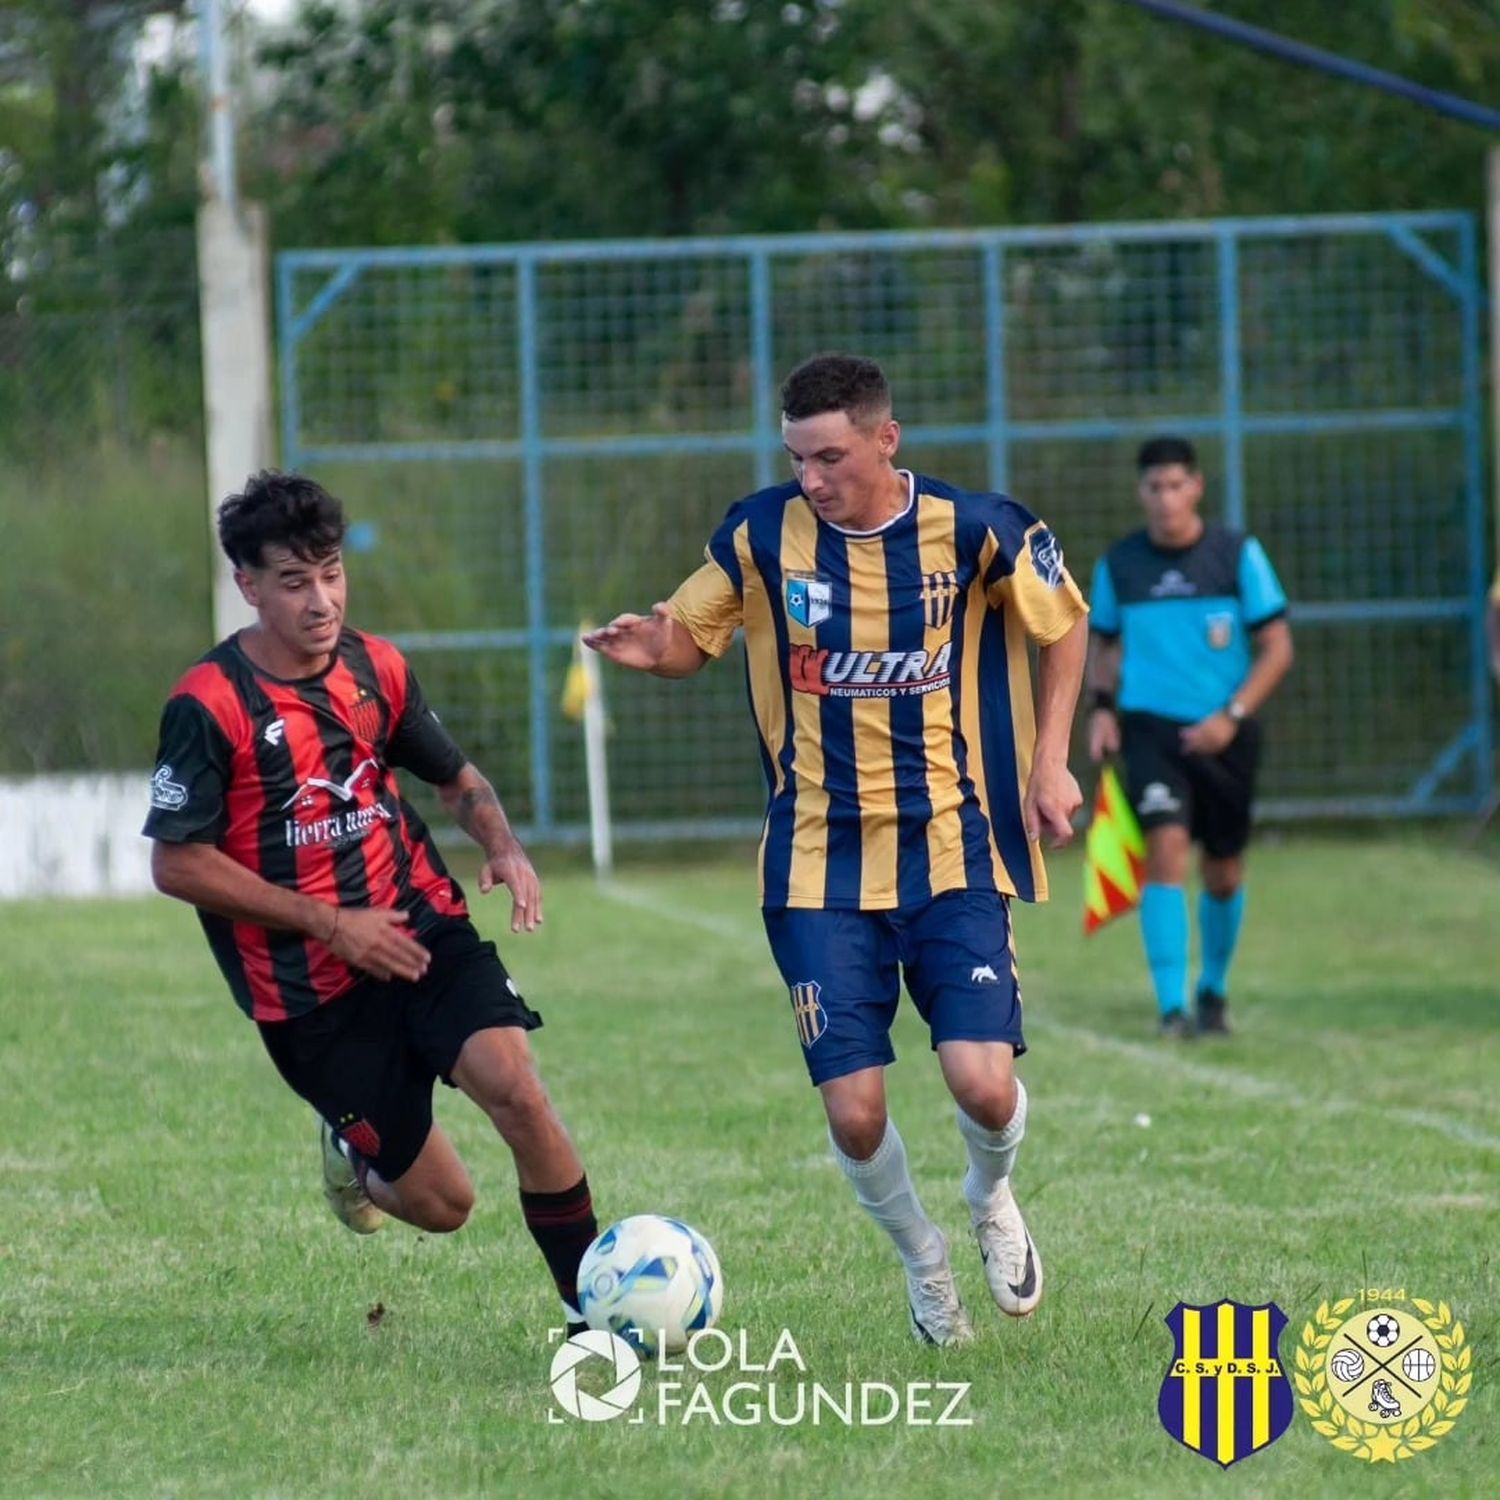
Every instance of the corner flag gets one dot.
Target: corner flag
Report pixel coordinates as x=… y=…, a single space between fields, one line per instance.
x=1115 y=859
x=577 y=688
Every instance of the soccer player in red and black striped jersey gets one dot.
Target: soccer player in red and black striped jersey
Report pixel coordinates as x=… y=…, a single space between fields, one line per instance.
x=275 y=810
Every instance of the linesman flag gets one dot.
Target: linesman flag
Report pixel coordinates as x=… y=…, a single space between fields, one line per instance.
x=577 y=688
x=1115 y=860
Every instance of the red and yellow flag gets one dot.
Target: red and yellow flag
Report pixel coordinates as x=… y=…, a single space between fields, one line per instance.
x=1115 y=860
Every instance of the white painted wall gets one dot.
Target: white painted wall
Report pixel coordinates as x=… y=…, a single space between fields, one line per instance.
x=74 y=835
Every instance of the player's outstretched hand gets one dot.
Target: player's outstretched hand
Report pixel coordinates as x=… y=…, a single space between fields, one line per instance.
x=375 y=940
x=1104 y=735
x=638 y=641
x=1052 y=797
x=510 y=867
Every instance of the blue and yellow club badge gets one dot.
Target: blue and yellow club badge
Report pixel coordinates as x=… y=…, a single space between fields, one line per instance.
x=807 y=1006
x=1224 y=1394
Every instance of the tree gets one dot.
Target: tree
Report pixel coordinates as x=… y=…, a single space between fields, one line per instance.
x=517 y=119
x=65 y=64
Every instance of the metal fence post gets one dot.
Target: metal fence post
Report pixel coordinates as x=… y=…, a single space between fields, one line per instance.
x=761 y=364
x=1230 y=393
x=1473 y=414
x=286 y=353
x=994 y=362
x=536 y=548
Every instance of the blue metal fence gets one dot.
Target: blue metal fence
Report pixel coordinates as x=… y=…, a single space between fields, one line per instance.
x=534 y=434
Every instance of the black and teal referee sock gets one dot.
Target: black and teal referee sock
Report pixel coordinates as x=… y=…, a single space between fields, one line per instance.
x=563 y=1226
x=1218 y=932
x=1164 y=928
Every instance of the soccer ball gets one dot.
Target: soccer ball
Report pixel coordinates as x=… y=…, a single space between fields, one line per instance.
x=653 y=1281
x=1383 y=1330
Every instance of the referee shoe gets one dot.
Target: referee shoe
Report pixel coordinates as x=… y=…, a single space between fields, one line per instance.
x=1212 y=1017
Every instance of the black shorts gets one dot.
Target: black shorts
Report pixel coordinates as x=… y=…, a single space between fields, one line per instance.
x=1210 y=795
x=367 y=1061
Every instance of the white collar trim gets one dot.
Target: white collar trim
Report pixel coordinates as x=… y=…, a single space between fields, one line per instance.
x=911 y=500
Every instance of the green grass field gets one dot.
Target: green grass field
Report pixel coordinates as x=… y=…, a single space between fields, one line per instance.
x=179 y=1314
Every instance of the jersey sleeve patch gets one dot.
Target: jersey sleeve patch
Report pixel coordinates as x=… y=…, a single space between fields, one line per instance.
x=191 y=779
x=1037 y=585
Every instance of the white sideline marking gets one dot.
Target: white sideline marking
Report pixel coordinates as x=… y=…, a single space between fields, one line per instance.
x=1157 y=1059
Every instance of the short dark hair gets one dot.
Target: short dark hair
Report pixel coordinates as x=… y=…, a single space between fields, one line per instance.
x=1155 y=452
x=836 y=382
x=280 y=510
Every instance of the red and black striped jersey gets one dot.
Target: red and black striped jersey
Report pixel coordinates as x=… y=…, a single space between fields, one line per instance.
x=295 y=780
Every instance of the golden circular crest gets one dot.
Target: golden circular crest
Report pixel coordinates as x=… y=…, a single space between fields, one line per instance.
x=1384 y=1379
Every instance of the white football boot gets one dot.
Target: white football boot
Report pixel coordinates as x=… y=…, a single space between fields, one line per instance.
x=350 y=1203
x=937 y=1314
x=1011 y=1265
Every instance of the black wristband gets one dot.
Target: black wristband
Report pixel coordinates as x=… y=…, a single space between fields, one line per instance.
x=1103 y=698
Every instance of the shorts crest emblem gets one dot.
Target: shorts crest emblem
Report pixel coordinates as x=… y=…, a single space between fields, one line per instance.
x=807 y=1007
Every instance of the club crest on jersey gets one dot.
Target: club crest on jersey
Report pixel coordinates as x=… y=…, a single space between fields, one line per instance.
x=1220 y=628
x=809 y=599
x=365 y=714
x=1224 y=1395
x=1046 y=557
x=807 y=1007
x=939 y=594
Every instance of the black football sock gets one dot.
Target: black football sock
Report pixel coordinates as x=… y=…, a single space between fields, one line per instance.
x=563 y=1226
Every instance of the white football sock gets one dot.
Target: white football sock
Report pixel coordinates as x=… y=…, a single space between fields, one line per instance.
x=992 y=1153
x=884 y=1189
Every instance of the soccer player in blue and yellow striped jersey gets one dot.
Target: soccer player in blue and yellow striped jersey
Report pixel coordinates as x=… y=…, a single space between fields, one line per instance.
x=911 y=776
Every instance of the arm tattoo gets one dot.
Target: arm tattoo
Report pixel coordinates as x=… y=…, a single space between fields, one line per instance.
x=475 y=807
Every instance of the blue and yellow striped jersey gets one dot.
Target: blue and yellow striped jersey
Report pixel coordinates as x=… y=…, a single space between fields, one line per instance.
x=889 y=679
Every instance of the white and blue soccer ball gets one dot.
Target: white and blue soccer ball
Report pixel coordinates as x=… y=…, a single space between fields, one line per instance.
x=653 y=1281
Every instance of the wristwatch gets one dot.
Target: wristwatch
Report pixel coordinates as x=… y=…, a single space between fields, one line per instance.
x=1236 y=710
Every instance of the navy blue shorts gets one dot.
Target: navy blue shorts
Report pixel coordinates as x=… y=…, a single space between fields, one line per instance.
x=843 y=972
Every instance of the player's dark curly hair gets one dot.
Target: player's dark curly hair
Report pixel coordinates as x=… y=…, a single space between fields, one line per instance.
x=280 y=510
x=1155 y=452
x=836 y=382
